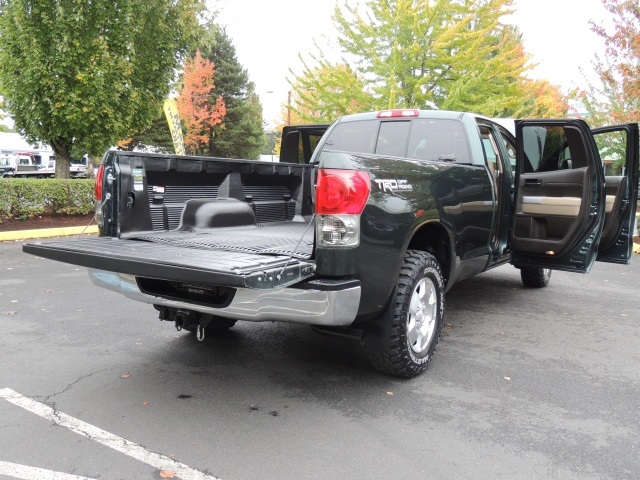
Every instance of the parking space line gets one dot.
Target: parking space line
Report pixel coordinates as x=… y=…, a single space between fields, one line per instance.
x=105 y=438
x=24 y=472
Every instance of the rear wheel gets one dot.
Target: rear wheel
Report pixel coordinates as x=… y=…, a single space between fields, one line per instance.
x=535 y=277
x=417 y=317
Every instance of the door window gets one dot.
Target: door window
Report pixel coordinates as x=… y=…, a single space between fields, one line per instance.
x=549 y=149
x=613 y=151
x=511 y=154
x=438 y=140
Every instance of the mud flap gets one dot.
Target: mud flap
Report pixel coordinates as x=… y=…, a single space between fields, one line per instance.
x=377 y=333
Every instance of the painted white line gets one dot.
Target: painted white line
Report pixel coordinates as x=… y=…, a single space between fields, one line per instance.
x=31 y=473
x=103 y=437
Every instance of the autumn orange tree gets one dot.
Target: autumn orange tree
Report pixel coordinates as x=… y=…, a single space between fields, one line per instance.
x=199 y=112
x=617 y=97
x=543 y=100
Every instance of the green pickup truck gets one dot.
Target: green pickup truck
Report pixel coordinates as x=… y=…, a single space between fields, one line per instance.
x=362 y=226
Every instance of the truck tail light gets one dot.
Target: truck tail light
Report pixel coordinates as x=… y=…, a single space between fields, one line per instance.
x=342 y=191
x=99 y=179
x=98 y=192
x=341 y=195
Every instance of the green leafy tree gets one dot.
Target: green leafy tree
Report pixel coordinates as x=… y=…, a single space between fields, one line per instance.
x=446 y=54
x=616 y=99
x=269 y=142
x=81 y=75
x=240 y=135
x=325 y=92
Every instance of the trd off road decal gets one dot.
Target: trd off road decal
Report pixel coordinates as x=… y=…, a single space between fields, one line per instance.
x=393 y=185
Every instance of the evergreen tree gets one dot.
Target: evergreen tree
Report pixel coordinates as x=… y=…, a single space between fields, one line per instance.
x=240 y=135
x=156 y=137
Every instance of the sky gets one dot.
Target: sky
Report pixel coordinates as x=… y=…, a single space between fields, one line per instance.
x=268 y=37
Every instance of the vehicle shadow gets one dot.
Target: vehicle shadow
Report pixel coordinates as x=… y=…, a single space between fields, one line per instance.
x=296 y=362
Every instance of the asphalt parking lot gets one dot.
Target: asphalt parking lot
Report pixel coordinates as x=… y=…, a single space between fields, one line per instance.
x=525 y=384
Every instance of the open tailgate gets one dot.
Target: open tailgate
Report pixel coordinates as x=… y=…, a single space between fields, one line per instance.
x=176 y=263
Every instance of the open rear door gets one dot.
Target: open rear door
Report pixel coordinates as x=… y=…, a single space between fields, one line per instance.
x=618 y=148
x=559 y=196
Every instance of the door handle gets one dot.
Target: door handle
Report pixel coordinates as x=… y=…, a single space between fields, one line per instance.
x=533 y=183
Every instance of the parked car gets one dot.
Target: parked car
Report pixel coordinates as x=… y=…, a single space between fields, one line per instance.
x=76 y=170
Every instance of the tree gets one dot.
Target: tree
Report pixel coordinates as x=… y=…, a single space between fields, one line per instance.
x=325 y=92
x=82 y=75
x=199 y=108
x=617 y=98
x=240 y=135
x=269 y=142
x=544 y=99
x=446 y=54
x=156 y=137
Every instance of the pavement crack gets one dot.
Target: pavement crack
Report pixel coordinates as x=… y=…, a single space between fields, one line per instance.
x=47 y=400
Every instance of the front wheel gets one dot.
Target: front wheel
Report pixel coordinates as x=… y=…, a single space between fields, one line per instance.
x=535 y=277
x=417 y=317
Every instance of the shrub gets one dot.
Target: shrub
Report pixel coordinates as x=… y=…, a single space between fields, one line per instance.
x=29 y=197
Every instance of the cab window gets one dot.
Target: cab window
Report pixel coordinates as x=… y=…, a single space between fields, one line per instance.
x=438 y=140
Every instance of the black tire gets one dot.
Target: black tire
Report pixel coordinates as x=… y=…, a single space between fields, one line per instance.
x=414 y=336
x=535 y=277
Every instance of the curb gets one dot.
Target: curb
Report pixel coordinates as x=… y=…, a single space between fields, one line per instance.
x=46 y=233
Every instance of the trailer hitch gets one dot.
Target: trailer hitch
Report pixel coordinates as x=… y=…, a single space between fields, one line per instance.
x=186 y=319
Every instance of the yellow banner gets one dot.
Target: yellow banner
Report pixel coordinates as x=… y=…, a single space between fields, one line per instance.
x=171 y=111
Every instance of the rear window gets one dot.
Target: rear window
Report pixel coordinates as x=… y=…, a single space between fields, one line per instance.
x=420 y=139
x=353 y=137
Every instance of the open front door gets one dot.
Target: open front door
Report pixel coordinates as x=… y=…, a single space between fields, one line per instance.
x=559 y=196
x=618 y=148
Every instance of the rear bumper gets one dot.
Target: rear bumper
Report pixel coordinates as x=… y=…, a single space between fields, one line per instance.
x=327 y=305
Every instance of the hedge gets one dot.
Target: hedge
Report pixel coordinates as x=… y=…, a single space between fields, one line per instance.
x=24 y=198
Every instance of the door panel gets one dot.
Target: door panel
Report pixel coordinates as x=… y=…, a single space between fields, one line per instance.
x=616 y=190
x=557 y=220
x=563 y=206
x=618 y=150
x=550 y=210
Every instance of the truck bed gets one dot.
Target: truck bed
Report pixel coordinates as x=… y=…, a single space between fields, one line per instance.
x=278 y=238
